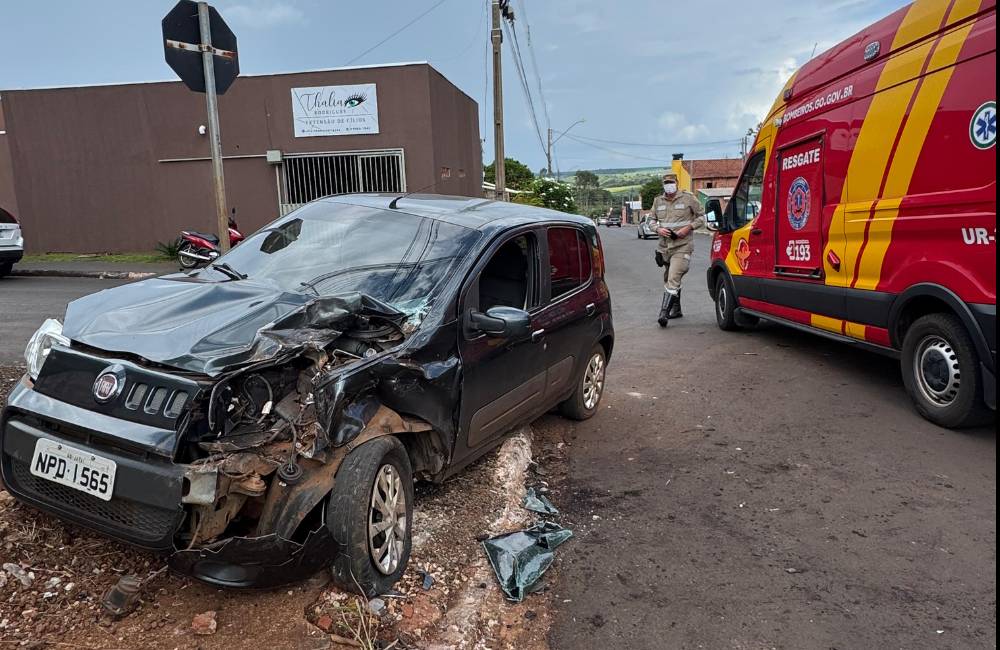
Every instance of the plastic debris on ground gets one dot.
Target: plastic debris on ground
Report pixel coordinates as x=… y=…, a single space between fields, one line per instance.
x=520 y=558
x=538 y=503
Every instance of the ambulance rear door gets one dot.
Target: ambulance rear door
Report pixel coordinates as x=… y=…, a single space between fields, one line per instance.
x=799 y=210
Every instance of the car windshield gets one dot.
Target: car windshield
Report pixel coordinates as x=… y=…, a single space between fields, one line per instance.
x=330 y=248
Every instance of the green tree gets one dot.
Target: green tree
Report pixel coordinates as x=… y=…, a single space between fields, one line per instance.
x=518 y=176
x=587 y=179
x=649 y=191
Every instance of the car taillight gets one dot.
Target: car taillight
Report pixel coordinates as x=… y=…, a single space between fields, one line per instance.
x=598 y=257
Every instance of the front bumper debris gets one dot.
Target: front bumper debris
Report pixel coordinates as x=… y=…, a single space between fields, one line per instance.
x=268 y=561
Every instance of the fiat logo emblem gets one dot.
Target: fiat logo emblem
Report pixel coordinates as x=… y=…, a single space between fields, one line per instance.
x=109 y=384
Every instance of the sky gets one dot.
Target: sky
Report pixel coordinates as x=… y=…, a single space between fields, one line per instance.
x=649 y=78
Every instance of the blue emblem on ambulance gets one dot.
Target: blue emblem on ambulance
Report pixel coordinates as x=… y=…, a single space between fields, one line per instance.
x=798 y=203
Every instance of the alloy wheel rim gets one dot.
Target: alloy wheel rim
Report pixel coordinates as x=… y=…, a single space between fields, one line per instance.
x=935 y=366
x=387 y=520
x=593 y=382
x=721 y=302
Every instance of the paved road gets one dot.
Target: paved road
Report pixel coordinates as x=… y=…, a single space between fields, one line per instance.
x=27 y=301
x=765 y=489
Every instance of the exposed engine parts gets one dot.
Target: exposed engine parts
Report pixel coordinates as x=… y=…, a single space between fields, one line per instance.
x=260 y=435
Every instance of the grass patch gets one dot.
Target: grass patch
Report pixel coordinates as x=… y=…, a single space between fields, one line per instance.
x=112 y=258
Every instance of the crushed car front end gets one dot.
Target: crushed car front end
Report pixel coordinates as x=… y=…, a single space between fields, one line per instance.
x=206 y=417
x=224 y=473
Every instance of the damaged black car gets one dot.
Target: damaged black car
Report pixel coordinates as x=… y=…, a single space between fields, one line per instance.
x=266 y=416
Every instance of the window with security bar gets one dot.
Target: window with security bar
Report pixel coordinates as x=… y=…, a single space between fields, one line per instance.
x=305 y=178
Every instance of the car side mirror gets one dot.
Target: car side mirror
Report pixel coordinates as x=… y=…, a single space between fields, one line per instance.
x=713 y=214
x=502 y=322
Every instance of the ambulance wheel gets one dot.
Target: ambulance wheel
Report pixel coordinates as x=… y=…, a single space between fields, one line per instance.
x=370 y=514
x=941 y=372
x=725 y=305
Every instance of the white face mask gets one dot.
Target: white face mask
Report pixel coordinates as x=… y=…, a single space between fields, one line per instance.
x=670 y=188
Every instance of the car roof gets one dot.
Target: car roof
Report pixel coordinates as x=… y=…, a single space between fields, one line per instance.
x=470 y=212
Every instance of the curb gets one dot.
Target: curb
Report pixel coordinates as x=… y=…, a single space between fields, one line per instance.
x=101 y=275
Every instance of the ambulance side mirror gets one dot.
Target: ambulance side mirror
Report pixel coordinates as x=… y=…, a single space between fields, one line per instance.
x=713 y=214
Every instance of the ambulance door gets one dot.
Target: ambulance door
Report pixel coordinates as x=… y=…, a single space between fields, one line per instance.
x=799 y=211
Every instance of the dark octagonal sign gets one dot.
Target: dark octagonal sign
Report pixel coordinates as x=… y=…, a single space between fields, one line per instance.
x=181 y=25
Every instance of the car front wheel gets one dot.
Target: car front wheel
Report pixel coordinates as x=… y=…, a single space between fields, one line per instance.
x=589 y=387
x=941 y=372
x=370 y=516
x=6 y=268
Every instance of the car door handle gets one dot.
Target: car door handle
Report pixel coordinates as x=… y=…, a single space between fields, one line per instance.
x=756 y=231
x=537 y=336
x=591 y=309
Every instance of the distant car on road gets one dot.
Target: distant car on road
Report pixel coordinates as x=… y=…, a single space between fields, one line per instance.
x=602 y=221
x=11 y=242
x=645 y=229
x=614 y=220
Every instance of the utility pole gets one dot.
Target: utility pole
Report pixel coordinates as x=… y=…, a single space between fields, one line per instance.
x=548 y=155
x=497 y=37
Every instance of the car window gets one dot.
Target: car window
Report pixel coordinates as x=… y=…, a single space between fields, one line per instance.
x=569 y=260
x=6 y=217
x=746 y=204
x=505 y=281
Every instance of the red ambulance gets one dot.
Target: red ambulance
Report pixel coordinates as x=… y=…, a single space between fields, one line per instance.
x=866 y=210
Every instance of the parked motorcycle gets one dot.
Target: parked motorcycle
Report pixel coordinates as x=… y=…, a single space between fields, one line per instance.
x=199 y=248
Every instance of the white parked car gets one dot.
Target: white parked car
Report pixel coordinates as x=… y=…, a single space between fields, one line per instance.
x=11 y=242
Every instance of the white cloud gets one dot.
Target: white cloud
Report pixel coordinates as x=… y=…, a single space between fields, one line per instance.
x=675 y=127
x=263 y=16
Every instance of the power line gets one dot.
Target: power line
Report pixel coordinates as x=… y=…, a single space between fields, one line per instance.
x=534 y=62
x=618 y=153
x=652 y=144
x=475 y=36
x=522 y=77
x=390 y=36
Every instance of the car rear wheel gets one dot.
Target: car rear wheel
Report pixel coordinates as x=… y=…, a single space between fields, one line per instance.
x=589 y=387
x=370 y=516
x=941 y=372
x=6 y=268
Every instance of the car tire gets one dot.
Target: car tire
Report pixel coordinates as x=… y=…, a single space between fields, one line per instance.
x=376 y=470
x=6 y=268
x=589 y=388
x=940 y=369
x=725 y=304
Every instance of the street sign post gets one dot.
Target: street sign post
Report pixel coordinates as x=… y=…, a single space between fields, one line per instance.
x=201 y=49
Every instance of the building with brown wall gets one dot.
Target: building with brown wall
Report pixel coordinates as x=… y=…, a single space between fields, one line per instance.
x=715 y=172
x=122 y=167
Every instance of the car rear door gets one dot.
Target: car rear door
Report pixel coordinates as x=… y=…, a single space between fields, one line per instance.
x=568 y=317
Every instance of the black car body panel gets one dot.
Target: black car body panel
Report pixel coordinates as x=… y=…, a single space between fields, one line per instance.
x=273 y=375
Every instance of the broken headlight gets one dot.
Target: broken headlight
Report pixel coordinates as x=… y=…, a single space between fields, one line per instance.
x=41 y=343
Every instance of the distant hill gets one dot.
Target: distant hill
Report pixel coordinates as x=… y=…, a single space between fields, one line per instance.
x=620 y=181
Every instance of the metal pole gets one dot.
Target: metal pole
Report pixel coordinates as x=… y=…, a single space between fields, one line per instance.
x=214 y=137
x=548 y=155
x=497 y=37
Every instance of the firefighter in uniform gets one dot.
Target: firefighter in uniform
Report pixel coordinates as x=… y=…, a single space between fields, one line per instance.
x=677 y=214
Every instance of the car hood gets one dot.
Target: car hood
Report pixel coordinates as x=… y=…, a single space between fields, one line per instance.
x=209 y=327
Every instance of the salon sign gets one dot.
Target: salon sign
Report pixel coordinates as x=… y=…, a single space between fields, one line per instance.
x=335 y=110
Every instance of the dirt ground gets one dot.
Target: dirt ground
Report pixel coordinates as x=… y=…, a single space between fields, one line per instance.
x=68 y=570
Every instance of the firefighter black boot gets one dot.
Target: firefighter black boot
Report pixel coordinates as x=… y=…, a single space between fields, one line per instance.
x=668 y=302
x=675 y=307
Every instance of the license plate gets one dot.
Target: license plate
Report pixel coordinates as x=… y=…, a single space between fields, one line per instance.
x=75 y=468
